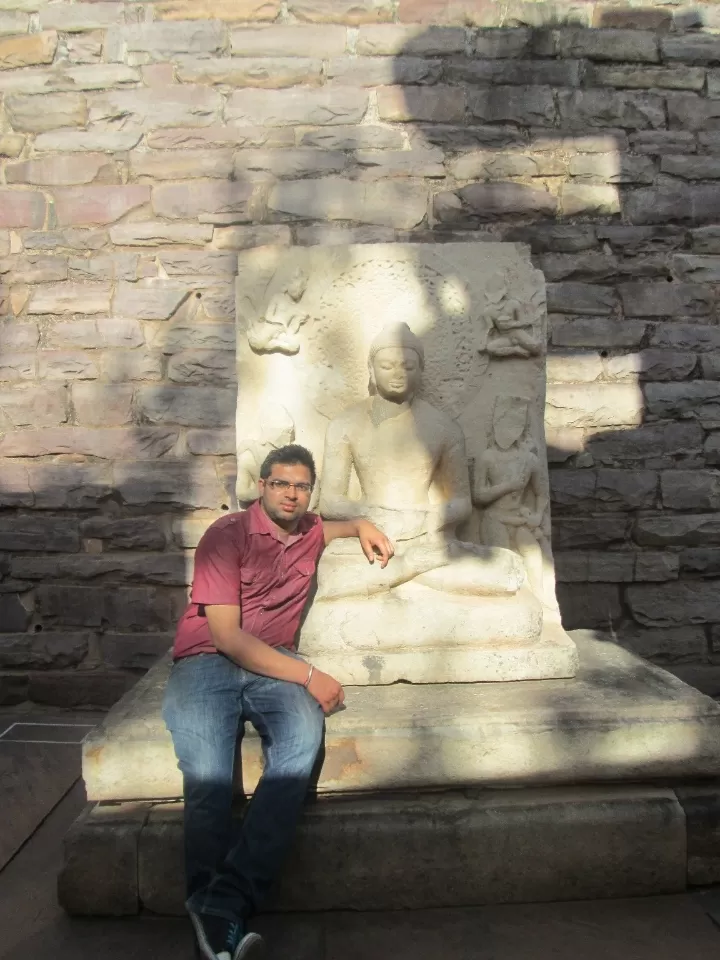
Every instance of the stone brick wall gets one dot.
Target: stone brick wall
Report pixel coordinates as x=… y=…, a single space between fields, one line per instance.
x=142 y=144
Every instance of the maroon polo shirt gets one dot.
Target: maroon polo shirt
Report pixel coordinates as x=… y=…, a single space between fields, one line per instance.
x=241 y=560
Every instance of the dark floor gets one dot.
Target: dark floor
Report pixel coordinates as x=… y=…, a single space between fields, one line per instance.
x=41 y=795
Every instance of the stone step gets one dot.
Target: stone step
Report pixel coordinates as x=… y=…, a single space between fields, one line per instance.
x=417 y=851
x=619 y=719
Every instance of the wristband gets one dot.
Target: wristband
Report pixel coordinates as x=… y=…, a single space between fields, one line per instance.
x=309 y=677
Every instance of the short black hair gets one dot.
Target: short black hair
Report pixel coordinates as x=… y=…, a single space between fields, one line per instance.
x=289 y=455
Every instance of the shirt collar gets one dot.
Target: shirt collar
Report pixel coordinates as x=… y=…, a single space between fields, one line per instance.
x=259 y=522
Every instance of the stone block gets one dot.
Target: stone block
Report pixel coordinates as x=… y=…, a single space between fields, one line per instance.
x=208 y=336
x=700 y=269
x=202 y=367
x=675 y=603
x=706 y=239
x=393 y=39
x=13 y=689
x=161 y=41
x=19 y=336
x=172 y=106
x=691 y=168
x=34 y=269
x=14 y=617
x=352 y=12
x=686 y=336
x=375 y=164
x=33 y=114
x=188 y=406
x=652 y=365
x=15 y=490
x=299 y=162
x=631 y=76
x=13 y=22
x=578 y=199
x=583 y=607
x=278 y=108
x=481 y=202
x=40 y=651
x=63 y=170
x=28 y=51
x=666 y=299
x=617 y=566
x=98 y=204
x=11 y=145
x=80 y=16
x=149 y=299
x=514 y=104
x=362 y=137
x=583 y=109
x=31 y=406
x=67 y=365
x=701 y=806
x=105 y=833
x=691 y=48
x=78 y=688
x=102 y=405
x=594 y=405
x=320 y=42
x=381 y=71
x=612 y=168
x=662 y=141
x=700 y=562
x=639 y=46
x=386 y=203
x=691 y=490
x=656 y=566
x=580 y=298
x=114 y=266
x=691 y=112
x=97 y=76
x=135 y=443
x=18 y=366
x=242 y=238
x=711 y=450
x=153 y=233
x=270 y=73
x=211 y=443
x=694 y=530
x=167 y=569
x=182 y=165
x=70 y=298
x=79 y=141
x=180 y=201
x=574 y=368
x=696 y=398
x=396 y=103
x=69 y=485
x=38 y=534
x=194 y=485
x=247 y=10
x=491 y=165
x=21 y=209
x=133 y=651
x=550 y=238
x=589 y=532
x=216 y=135
x=125 y=608
x=133 y=533
x=527 y=73
x=603 y=489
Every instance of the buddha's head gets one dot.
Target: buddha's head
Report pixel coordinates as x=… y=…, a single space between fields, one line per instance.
x=297 y=285
x=510 y=420
x=396 y=363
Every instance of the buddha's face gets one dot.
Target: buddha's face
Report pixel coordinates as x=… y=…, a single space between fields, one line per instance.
x=396 y=373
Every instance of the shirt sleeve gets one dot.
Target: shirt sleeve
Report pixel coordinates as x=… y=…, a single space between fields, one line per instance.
x=217 y=566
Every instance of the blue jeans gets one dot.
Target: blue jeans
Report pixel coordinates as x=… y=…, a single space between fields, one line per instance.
x=207 y=701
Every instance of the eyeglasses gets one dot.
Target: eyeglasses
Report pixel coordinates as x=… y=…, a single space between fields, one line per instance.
x=283 y=485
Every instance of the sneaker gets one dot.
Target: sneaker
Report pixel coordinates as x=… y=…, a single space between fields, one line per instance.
x=221 y=939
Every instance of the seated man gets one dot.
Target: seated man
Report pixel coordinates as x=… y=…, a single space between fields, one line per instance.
x=235 y=661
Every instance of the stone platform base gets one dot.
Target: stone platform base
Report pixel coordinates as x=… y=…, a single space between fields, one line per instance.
x=420 y=851
x=619 y=719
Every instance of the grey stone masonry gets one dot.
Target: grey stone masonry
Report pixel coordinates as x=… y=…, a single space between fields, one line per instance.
x=142 y=146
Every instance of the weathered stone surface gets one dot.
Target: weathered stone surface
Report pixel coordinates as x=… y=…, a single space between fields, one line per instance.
x=579 y=199
x=52 y=110
x=11 y=145
x=126 y=608
x=31 y=406
x=242 y=238
x=194 y=485
x=97 y=205
x=662 y=141
x=38 y=534
x=675 y=603
x=706 y=240
x=149 y=299
x=691 y=168
x=133 y=651
x=362 y=137
x=700 y=269
x=79 y=688
x=202 y=367
x=98 y=76
x=551 y=238
x=18 y=366
x=287 y=163
x=211 y=442
x=612 y=168
x=34 y=269
x=277 y=108
x=181 y=165
x=581 y=109
x=109 y=444
x=631 y=76
x=599 y=490
x=188 y=530
x=385 y=203
x=161 y=41
x=614 y=566
x=217 y=135
x=168 y=569
x=28 y=51
x=491 y=165
x=70 y=298
x=652 y=365
x=105 y=332
x=665 y=299
x=14 y=618
x=21 y=209
x=79 y=141
x=691 y=490
x=595 y=405
x=700 y=561
x=510 y=104
x=691 y=112
x=197 y=263
x=686 y=336
x=585 y=266
x=69 y=486
x=711 y=450
x=171 y=106
x=583 y=608
x=285 y=41
x=700 y=806
x=179 y=201
x=481 y=202
x=379 y=71
x=272 y=74
x=67 y=365
x=188 y=406
x=668 y=645
x=102 y=405
x=153 y=233
x=15 y=489
x=63 y=170
x=342 y=11
x=696 y=398
x=580 y=298
x=528 y=73
x=691 y=530
x=19 y=336
x=656 y=566
x=135 y=533
x=634 y=45
x=208 y=336
x=43 y=650
x=393 y=39
x=13 y=22
x=80 y=16
x=691 y=48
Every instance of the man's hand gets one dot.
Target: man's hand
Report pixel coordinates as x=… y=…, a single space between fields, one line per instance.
x=374 y=543
x=326 y=690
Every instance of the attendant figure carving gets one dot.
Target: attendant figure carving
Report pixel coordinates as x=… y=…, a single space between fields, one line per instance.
x=277 y=330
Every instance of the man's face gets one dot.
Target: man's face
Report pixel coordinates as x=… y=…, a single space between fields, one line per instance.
x=286 y=505
x=397 y=373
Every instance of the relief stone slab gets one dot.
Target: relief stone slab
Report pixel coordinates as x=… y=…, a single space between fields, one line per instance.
x=415 y=373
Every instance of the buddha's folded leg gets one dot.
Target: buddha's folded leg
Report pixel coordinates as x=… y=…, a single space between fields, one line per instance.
x=492 y=572
x=338 y=580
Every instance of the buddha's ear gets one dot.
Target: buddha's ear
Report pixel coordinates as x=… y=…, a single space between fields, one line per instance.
x=372 y=385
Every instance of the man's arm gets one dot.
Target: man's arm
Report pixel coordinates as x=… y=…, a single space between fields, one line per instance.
x=373 y=542
x=258 y=657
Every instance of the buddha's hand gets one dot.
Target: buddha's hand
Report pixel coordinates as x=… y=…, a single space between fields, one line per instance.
x=375 y=544
x=398 y=524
